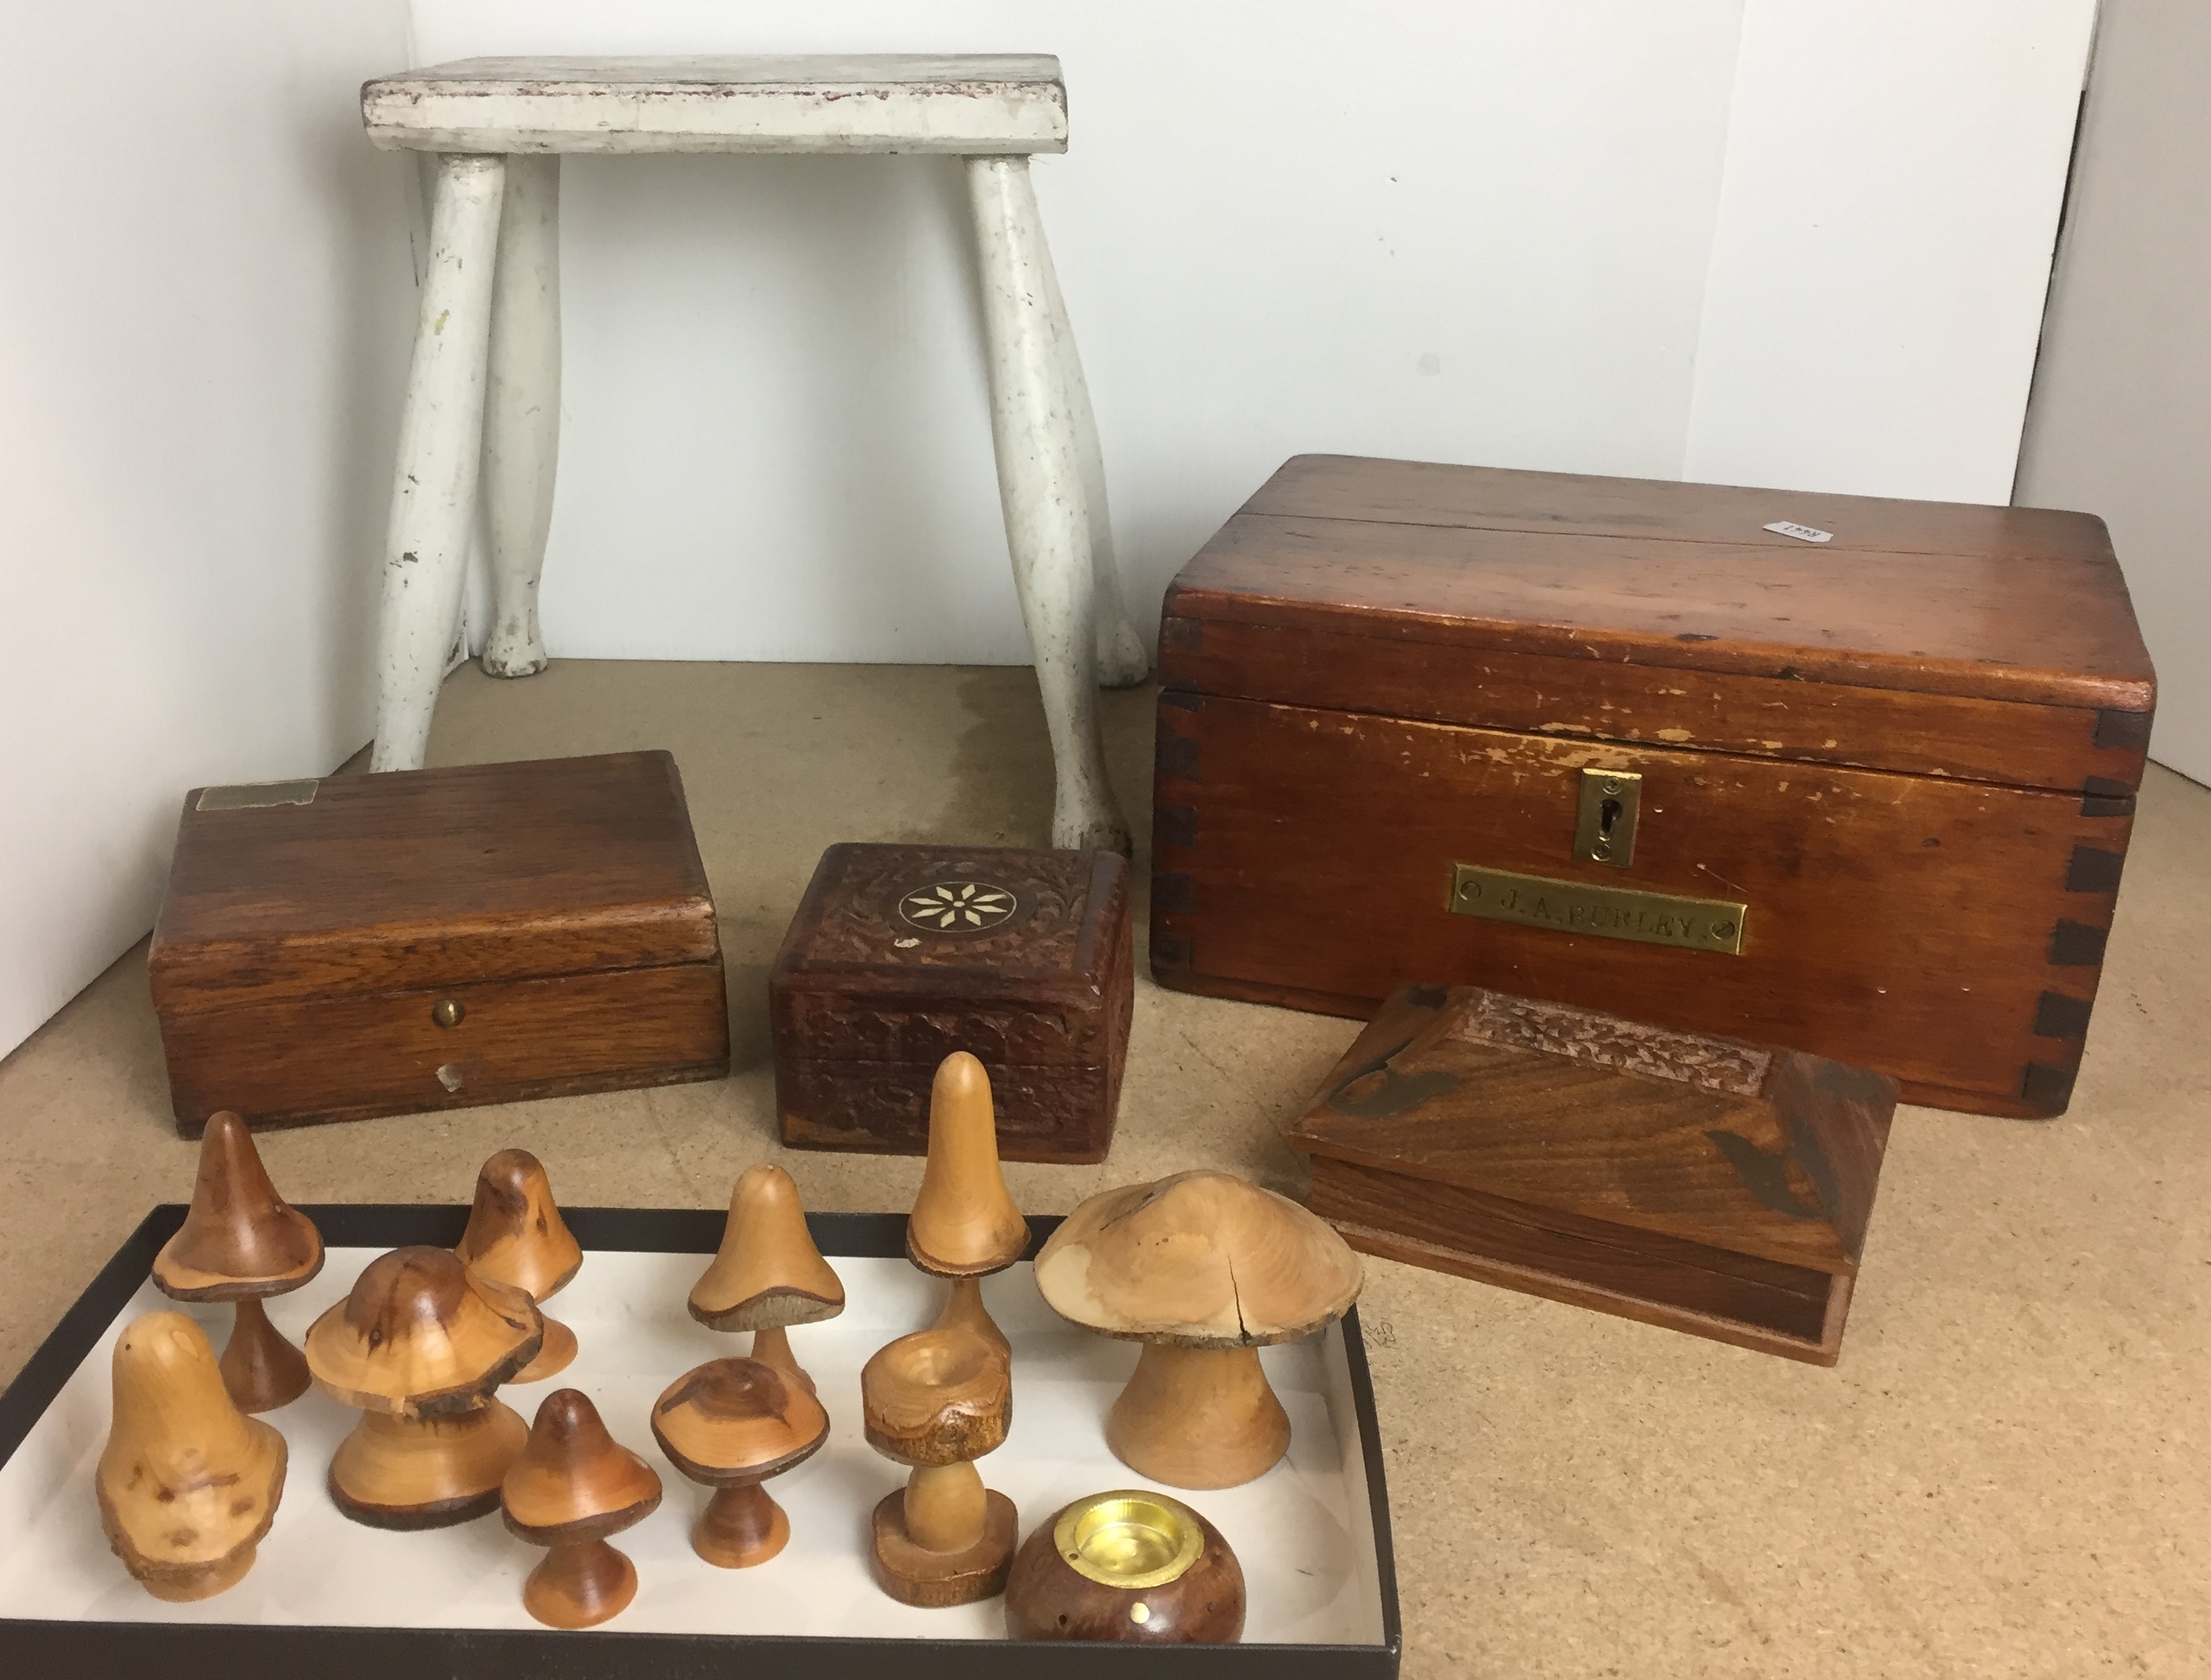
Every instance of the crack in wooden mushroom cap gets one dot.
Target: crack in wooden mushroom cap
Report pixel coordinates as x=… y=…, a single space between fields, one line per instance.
x=187 y=1481
x=574 y=1481
x=767 y=1274
x=240 y=1242
x=943 y=1396
x=733 y=1420
x=1200 y=1260
x=422 y=1336
x=516 y=1235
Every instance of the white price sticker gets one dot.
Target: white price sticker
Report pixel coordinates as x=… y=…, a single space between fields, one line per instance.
x=1802 y=533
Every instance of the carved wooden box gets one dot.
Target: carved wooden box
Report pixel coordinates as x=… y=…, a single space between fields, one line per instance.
x=425 y=939
x=901 y=954
x=1850 y=775
x=1704 y=1183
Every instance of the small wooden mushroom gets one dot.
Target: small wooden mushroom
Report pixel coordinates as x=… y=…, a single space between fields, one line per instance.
x=731 y=1424
x=187 y=1483
x=965 y=1225
x=516 y=1236
x=767 y=1274
x=1129 y=1566
x=573 y=1486
x=1203 y=1269
x=239 y=1242
x=937 y=1400
x=420 y=1345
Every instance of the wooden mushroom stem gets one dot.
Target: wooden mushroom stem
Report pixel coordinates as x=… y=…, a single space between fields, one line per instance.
x=741 y=1525
x=425 y=1472
x=1198 y=1417
x=946 y=1506
x=964 y=1310
x=580 y=1585
x=260 y=1369
x=772 y=1346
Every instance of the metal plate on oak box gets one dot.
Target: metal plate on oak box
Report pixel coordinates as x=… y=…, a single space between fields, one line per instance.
x=338 y=1601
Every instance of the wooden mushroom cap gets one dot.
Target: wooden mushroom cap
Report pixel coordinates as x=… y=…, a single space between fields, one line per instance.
x=239 y=1242
x=516 y=1235
x=767 y=1274
x=1200 y=1260
x=187 y=1483
x=420 y=1335
x=965 y=1222
x=574 y=1481
x=943 y=1396
x=735 y=1421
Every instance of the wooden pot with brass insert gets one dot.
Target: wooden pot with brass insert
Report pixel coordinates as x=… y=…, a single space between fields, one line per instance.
x=964 y=1224
x=1130 y=1565
x=516 y=1236
x=240 y=1243
x=420 y=1345
x=937 y=1400
x=187 y=1482
x=1203 y=1269
x=767 y=1274
x=573 y=1486
x=731 y=1424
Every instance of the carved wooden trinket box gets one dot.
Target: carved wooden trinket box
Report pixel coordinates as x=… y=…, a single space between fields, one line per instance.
x=901 y=955
x=1704 y=1183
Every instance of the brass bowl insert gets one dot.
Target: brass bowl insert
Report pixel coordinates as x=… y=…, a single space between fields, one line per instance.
x=1130 y=1539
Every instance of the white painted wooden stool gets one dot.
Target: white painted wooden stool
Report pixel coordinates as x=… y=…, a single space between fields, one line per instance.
x=485 y=384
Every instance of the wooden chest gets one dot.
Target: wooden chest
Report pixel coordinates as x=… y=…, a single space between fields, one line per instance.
x=425 y=939
x=901 y=954
x=1864 y=789
x=1697 y=1182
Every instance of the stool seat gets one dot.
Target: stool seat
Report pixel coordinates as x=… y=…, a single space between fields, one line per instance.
x=972 y=105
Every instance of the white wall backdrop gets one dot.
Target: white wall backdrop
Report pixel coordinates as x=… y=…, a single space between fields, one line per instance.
x=204 y=312
x=1785 y=241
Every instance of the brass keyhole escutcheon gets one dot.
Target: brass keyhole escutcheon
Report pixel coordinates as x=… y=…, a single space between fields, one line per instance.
x=1604 y=819
x=447 y=1012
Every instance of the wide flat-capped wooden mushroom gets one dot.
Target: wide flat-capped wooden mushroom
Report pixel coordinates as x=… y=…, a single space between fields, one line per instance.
x=573 y=1486
x=1203 y=1269
x=937 y=1400
x=731 y=1424
x=964 y=1224
x=420 y=1345
x=187 y=1483
x=239 y=1242
x=516 y=1236
x=767 y=1274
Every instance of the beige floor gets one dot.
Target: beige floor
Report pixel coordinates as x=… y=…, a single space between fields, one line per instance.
x=2005 y=1477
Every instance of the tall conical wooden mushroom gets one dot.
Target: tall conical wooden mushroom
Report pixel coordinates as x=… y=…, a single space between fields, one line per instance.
x=573 y=1486
x=1203 y=1269
x=937 y=1400
x=420 y=1345
x=516 y=1236
x=187 y=1483
x=767 y=1274
x=239 y=1242
x=965 y=1225
x=731 y=1424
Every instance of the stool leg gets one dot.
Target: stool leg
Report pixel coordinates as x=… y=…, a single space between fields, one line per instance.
x=433 y=492
x=1121 y=661
x=522 y=409
x=1041 y=489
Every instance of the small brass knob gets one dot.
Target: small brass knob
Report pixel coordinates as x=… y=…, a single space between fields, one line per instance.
x=447 y=1011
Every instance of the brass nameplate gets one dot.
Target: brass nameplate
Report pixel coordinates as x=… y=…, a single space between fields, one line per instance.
x=252 y=796
x=1609 y=912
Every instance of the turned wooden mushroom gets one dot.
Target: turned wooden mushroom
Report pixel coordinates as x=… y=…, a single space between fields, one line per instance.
x=937 y=1400
x=187 y=1482
x=731 y=1425
x=573 y=1486
x=420 y=1345
x=1130 y=1566
x=240 y=1243
x=767 y=1274
x=516 y=1236
x=1203 y=1269
x=965 y=1225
